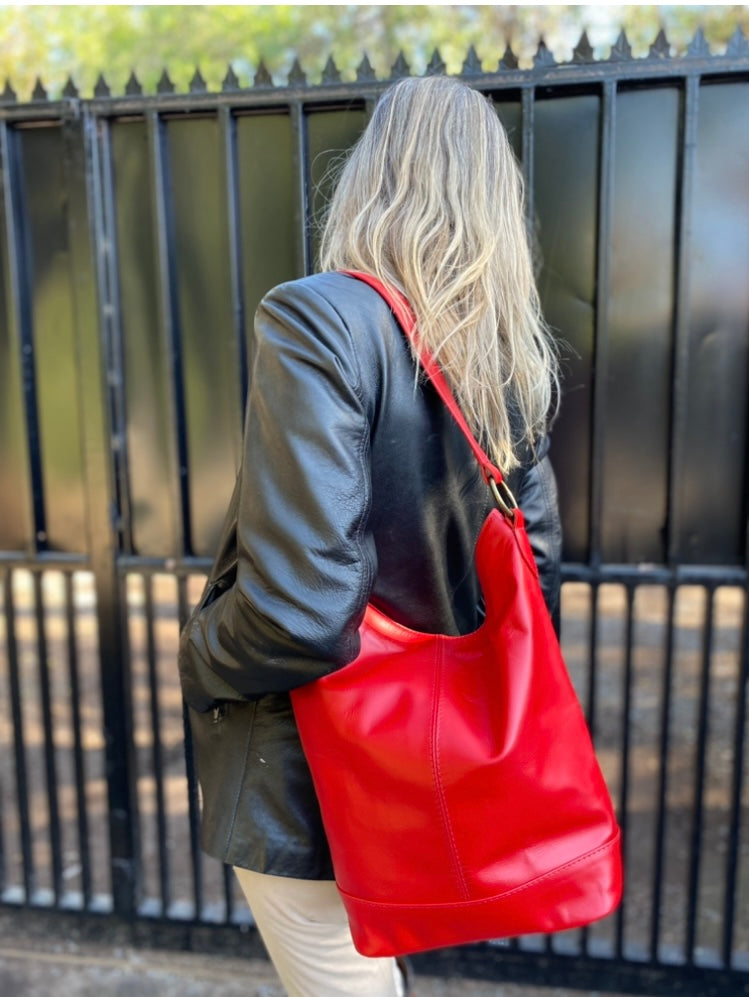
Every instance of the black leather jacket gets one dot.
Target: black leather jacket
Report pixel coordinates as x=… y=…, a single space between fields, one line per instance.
x=355 y=485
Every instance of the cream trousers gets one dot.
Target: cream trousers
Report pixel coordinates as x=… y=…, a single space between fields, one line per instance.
x=304 y=928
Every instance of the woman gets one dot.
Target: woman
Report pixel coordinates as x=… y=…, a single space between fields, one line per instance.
x=356 y=485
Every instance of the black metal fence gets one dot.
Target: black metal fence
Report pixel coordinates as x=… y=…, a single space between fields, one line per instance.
x=138 y=235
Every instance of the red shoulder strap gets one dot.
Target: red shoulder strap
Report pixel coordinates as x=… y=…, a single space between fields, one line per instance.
x=407 y=321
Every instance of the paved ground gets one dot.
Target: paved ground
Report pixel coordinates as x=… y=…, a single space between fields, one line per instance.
x=50 y=957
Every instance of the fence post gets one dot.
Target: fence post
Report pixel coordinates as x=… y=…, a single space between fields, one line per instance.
x=88 y=240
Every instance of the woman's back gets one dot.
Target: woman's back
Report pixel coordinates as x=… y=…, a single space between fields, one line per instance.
x=355 y=483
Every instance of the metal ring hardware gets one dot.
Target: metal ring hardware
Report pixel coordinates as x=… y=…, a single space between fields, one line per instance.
x=504 y=499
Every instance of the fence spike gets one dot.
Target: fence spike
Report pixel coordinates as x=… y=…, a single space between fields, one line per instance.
x=698 y=47
x=543 y=57
x=297 y=76
x=101 y=88
x=39 y=93
x=231 y=80
x=8 y=95
x=621 y=50
x=660 y=49
x=364 y=71
x=400 y=68
x=737 y=44
x=70 y=89
x=262 y=77
x=436 y=65
x=164 y=85
x=472 y=65
x=331 y=72
x=197 y=83
x=583 y=51
x=133 y=87
x=509 y=60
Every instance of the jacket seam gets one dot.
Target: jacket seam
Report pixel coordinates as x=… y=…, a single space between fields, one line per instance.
x=544 y=491
x=357 y=385
x=367 y=577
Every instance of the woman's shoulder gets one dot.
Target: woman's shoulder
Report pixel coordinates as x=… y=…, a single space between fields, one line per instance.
x=335 y=306
x=334 y=317
x=338 y=289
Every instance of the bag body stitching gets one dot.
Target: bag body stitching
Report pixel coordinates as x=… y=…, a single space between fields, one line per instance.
x=497 y=896
x=438 y=784
x=487 y=900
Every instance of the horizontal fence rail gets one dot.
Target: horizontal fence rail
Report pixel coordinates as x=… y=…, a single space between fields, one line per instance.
x=138 y=234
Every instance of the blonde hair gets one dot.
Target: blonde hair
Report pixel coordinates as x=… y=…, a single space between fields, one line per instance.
x=430 y=200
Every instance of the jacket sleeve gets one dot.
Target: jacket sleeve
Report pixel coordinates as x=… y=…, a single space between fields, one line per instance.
x=305 y=559
x=538 y=500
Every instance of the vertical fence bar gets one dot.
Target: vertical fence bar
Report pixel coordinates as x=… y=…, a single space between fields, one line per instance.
x=626 y=737
x=4 y=805
x=699 y=779
x=20 y=326
x=110 y=313
x=19 y=743
x=601 y=336
x=600 y=373
x=228 y=128
x=591 y=703
x=528 y=104
x=157 y=755
x=663 y=750
x=79 y=766
x=680 y=364
x=87 y=230
x=301 y=188
x=169 y=322
x=229 y=884
x=193 y=805
x=50 y=768
x=4 y=809
x=737 y=782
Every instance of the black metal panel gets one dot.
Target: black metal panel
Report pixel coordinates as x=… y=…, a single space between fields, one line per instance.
x=53 y=339
x=718 y=373
x=637 y=407
x=145 y=372
x=266 y=205
x=330 y=134
x=510 y=114
x=17 y=280
x=567 y=240
x=210 y=368
x=16 y=529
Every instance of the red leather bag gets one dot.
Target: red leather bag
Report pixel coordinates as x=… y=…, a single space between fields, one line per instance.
x=456 y=777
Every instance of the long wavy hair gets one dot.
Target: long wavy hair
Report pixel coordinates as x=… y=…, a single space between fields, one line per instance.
x=430 y=200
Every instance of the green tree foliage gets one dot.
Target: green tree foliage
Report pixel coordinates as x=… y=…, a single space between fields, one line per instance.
x=80 y=42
